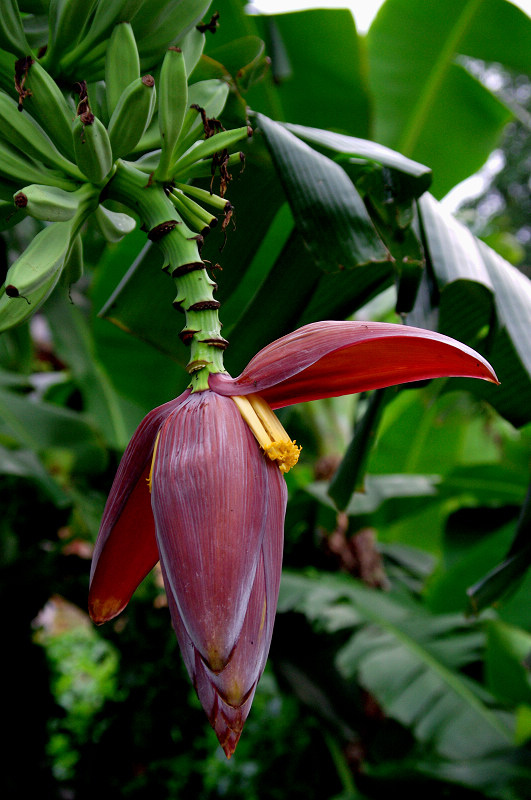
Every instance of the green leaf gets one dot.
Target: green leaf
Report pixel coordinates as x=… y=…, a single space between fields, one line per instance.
x=149 y=316
x=153 y=318
x=322 y=83
x=505 y=670
x=328 y=210
x=244 y=59
x=505 y=578
x=350 y=474
x=42 y=427
x=25 y=464
x=378 y=489
x=74 y=345
x=410 y=661
x=484 y=538
x=269 y=250
x=474 y=282
x=356 y=148
x=523 y=724
x=426 y=105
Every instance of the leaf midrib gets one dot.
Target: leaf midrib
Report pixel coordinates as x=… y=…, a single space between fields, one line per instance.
x=446 y=675
x=427 y=98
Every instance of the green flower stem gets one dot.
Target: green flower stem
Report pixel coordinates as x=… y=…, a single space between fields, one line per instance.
x=195 y=288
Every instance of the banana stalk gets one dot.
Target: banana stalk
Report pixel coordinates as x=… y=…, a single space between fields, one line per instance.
x=132 y=115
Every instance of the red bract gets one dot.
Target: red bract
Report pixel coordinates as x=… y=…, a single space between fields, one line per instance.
x=215 y=516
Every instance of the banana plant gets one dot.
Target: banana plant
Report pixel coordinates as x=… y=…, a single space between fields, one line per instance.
x=201 y=484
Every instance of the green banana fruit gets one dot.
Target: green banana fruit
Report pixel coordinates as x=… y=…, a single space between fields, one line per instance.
x=192 y=46
x=50 y=203
x=17 y=167
x=41 y=97
x=114 y=225
x=172 y=23
x=172 y=104
x=92 y=147
x=214 y=144
x=206 y=168
x=204 y=196
x=97 y=95
x=150 y=140
x=32 y=277
x=194 y=214
x=66 y=20
x=22 y=131
x=108 y=14
x=209 y=96
x=132 y=115
x=73 y=265
x=122 y=63
x=12 y=36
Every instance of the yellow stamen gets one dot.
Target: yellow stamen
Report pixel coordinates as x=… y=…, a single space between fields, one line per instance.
x=268 y=431
x=149 y=477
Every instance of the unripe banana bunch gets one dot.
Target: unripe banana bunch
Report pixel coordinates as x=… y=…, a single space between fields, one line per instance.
x=58 y=161
x=78 y=30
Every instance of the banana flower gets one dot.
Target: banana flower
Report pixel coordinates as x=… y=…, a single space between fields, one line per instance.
x=200 y=488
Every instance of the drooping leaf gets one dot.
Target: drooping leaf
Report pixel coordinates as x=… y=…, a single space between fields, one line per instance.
x=378 y=489
x=364 y=149
x=474 y=283
x=504 y=578
x=410 y=661
x=328 y=210
x=506 y=672
x=126 y=357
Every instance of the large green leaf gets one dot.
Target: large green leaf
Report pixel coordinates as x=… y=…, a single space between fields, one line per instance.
x=328 y=211
x=409 y=660
x=74 y=345
x=378 y=489
x=474 y=282
x=135 y=365
x=506 y=671
x=426 y=105
x=505 y=578
x=363 y=149
x=324 y=82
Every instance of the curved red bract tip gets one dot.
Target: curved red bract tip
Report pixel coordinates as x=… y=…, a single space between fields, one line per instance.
x=328 y=359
